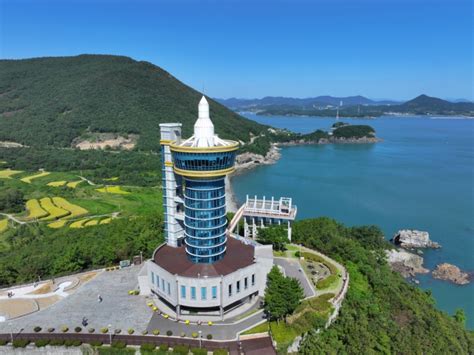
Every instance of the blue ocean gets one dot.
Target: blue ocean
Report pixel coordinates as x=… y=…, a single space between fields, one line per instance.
x=421 y=176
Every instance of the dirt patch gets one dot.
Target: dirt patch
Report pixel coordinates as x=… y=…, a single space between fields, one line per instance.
x=8 y=144
x=47 y=301
x=10 y=113
x=17 y=307
x=44 y=288
x=87 y=276
x=106 y=140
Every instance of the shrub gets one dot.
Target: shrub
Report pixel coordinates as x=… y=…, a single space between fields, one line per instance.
x=71 y=342
x=183 y=334
x=77 y=329
x=199 y=351
x=118 y=344
x=194 y=335
x=3 y=342
x=297 y=254
x=118 y=331
x=56 y=342
x=37 y=329
x=50 y=330
x=209 y=336
x=164 y=347
x=20 y=343
x=95 y=343
x=181 y=349
x=91 y=330
x=145 y=332
x=64 y=329
x=148 y=347
x=130 y=331
x=41 y=342
x=169 y=333
x=104 y=330
x=220 y=352
x=327 y=282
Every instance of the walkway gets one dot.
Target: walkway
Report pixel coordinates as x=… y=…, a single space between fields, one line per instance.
x=293 y=269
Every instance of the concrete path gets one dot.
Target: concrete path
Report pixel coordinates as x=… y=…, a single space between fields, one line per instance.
x=293 y=268
x=218 y=331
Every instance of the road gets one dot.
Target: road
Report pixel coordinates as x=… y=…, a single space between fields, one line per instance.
x=293 y=268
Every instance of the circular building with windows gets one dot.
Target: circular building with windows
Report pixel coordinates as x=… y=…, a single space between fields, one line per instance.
x=202 y=268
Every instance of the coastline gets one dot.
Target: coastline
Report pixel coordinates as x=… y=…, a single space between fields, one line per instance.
x=248 y=161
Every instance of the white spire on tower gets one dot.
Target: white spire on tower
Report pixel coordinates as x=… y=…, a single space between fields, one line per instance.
x=203 y=128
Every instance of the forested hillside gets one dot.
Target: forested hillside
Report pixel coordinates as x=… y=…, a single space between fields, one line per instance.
x=52 y=101
x=382 y=313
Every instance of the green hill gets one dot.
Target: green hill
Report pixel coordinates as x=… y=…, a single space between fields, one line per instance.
x=52 y=101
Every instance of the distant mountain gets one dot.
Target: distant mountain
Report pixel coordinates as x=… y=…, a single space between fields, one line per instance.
x=425 y=104
x=52 y=101
x=421 y=105
x=310 y=102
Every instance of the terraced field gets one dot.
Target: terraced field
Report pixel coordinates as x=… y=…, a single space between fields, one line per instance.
x=28 y=179
x=35 y=210
x=54 y=211
x=57 y=183
x=113 y=190
x=75 y=210
x=7 y=173
x=73 y=184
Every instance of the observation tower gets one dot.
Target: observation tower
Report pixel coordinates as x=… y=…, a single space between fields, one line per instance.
x=203 y=267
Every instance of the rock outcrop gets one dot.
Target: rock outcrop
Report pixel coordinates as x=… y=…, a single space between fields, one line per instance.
x=249 y=160
x=451 y=273
x=408 y=238
x=407 y=264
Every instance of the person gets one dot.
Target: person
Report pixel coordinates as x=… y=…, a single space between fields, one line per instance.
x=99 y=298
x=84 y=322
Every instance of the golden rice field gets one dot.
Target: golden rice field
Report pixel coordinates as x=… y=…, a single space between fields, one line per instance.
x=57 y=224
x=73 y=184
x=3 y=225
x=106 y=220
x=79 y=223
x=75 y=210
x=57 y=183
x=28 y=179
x=91 y=222
x=113 y=190
x=35 y=211
x=115 y=178
x=8 y=173
x=54 y=211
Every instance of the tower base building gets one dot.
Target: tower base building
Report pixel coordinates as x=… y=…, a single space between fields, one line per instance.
x=202 y=268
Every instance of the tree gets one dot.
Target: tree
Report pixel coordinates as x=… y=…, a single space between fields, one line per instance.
x=274 y=235
x=282 y=295
x=460 y=316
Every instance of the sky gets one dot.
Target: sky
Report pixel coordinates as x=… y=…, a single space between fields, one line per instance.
x=229 y=48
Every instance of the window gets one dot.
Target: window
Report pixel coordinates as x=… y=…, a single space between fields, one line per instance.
x=193 y=292
x=183 y=291
x=214 y=292
x=203 y=293
x=157 y=281
x=253 y=279
x=238 y=286
x=152 y=277
x=169 y=289
x=246 y=282
x=230 y=290
x=163 y=285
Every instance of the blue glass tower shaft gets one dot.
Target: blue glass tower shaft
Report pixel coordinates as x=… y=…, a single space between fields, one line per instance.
x=205 y=218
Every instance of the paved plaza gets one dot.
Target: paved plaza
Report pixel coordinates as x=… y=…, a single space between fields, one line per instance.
x=117 y=308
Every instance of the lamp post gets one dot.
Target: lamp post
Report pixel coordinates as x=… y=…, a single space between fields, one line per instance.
x=200 y=338
x=110 y=334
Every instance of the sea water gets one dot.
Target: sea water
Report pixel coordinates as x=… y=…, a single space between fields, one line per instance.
x=421 y=176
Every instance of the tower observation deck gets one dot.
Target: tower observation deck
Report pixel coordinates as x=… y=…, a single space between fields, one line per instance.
x=194 y=173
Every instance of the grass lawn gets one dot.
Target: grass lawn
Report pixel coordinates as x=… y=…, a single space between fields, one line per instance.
x=261 y=328
x=289 y=252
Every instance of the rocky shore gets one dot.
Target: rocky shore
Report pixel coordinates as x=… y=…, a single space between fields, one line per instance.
x=248 y=160
x=408 y=238
x=333 y=140
x=407 y=264
x=452 y=273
